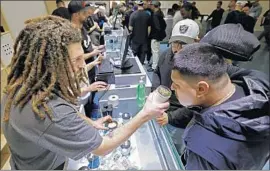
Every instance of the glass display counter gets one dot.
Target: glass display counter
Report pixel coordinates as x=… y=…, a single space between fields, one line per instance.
x=149 y=148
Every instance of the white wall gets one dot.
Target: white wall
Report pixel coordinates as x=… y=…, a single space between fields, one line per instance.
x=16 y=12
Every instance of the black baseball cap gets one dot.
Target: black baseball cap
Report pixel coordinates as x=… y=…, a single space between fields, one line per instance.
x=75 y=6
x=233 y=41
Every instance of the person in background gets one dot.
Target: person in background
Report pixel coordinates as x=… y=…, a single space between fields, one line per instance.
x=248 y=4
x=140 y=27
x=169 y=22
x=158 y=33
x=231 y=7
x=216 y=15
x=79 y=13
x=91 y=26
x=170 y=13
x=39 y=109
x=195 y=9
x=187 y=11
x=265 y=22
x=114 y=5
x=256 y=10
x=61 y=10
x=99 y=16
x=127 y=13
x=177 y=15
x=184 y=32
x=175 y=8
x=238 y=16
x=148 y=9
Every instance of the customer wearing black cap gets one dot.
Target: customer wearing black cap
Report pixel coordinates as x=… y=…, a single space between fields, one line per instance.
x=61 y=10
x=79 y=14
x=231 y=132
x=140 y=27
x=230 y=104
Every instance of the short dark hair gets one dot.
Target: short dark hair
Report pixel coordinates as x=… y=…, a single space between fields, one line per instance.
x=170 y=11
x=175 y=7
x=187 y=6
x=220 y=2
x=200 y=59
x=59 y=1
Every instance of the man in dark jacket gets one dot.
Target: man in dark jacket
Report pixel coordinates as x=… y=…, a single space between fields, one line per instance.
x=158 y=33
x=232 y=123
x=216 y=15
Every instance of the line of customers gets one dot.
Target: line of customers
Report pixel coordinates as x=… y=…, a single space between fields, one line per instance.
x=226 y=108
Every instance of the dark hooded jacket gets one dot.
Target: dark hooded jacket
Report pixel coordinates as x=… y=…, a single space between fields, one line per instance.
x=235 y=134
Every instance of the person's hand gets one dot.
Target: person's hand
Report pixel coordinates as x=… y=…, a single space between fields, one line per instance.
x=96 y=86
x=98 y=60
x=153 y=110
x=163 y=120
x=99 y=124
x=96 y=24
x=96 y=52
x=101 y=47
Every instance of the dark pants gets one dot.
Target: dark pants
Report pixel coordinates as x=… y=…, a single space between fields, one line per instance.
x=149 y=52
x=265 y=34
x=88 y=107
x=140 y=50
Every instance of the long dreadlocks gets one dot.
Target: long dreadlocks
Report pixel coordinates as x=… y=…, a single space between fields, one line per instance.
x=41 y=66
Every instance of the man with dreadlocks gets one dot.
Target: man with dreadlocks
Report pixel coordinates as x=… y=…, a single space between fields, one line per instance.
x=41 y=123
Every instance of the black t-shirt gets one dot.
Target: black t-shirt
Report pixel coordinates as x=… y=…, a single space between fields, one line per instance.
x=86 y=43
x=267 y=18
x=140 y=21
x=217 y=16
x=87 y=48
x=62 y=12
